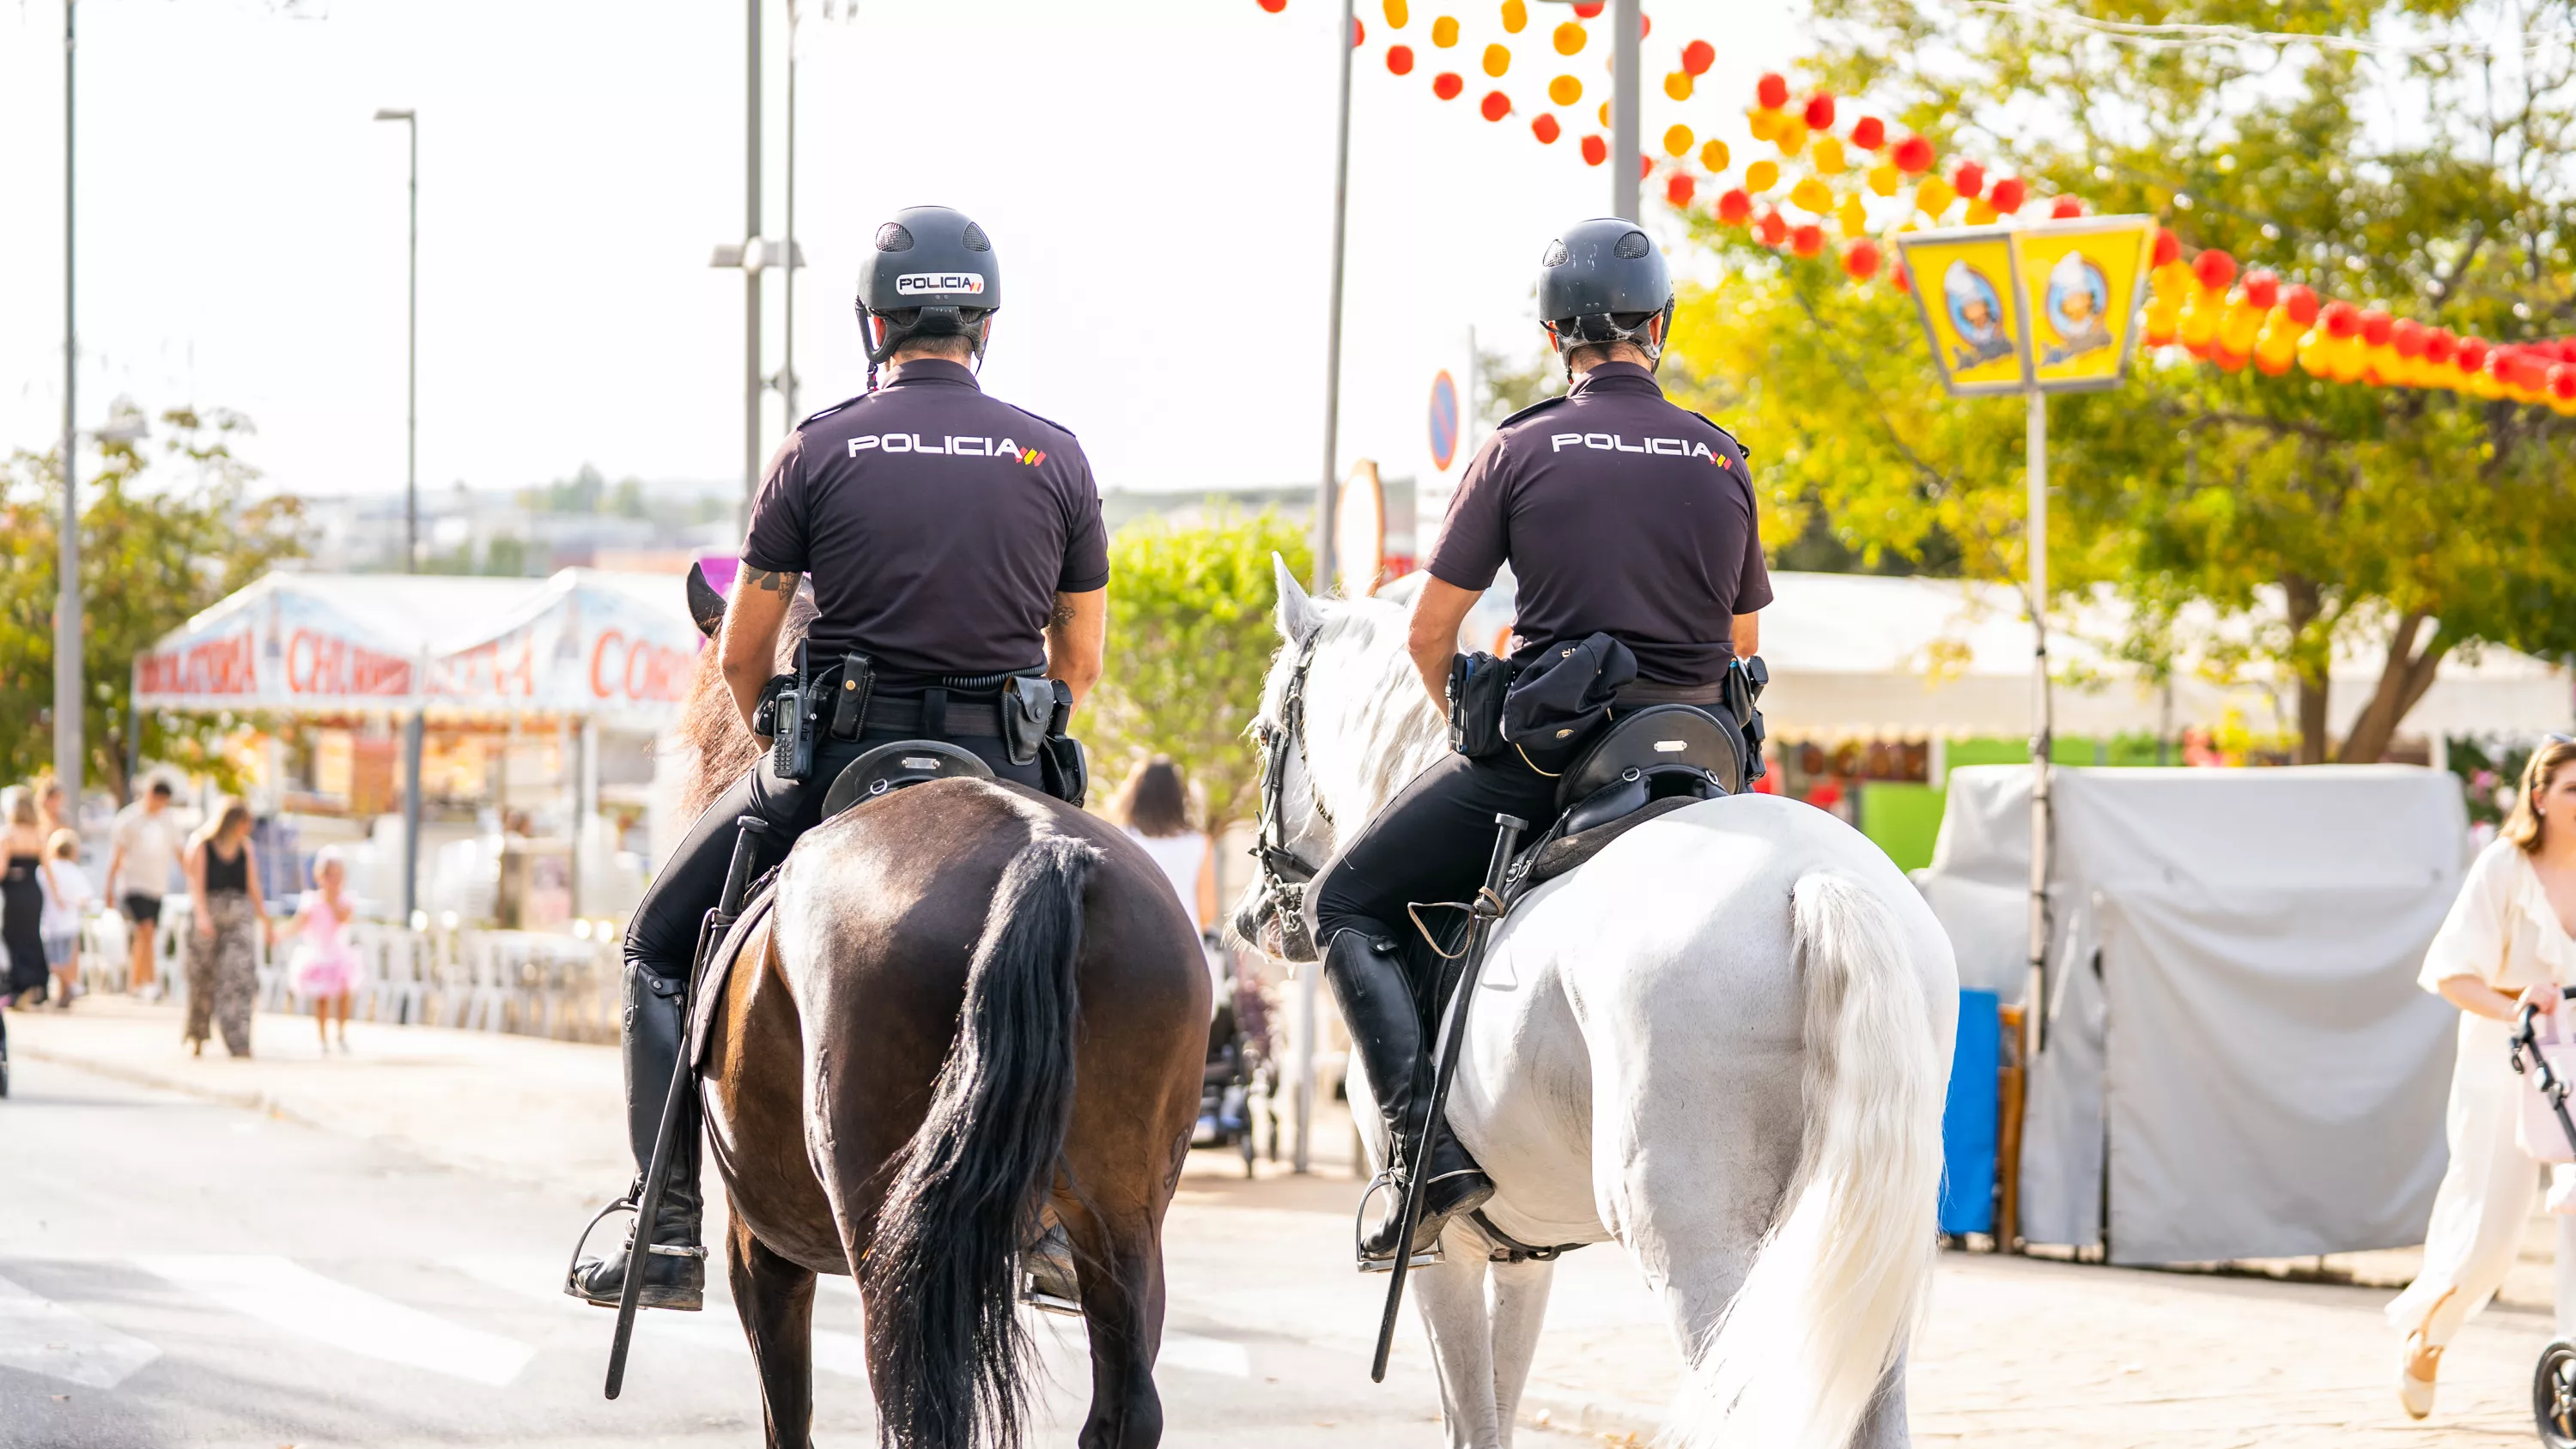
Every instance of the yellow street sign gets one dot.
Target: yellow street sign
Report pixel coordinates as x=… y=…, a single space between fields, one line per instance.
x=1963 y=284
x=2051 y=306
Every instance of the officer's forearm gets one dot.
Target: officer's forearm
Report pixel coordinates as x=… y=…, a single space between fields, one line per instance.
x=1076 y=638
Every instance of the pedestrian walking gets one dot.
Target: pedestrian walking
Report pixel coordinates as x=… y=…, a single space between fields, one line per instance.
x=68 y=897
x=325 y=970
x=1153 y=806
x=22 y=897
x=2506 y=943
x=144 y=854
x=224 y=920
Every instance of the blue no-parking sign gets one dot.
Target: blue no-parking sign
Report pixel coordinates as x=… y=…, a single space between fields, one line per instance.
x=1444 y=421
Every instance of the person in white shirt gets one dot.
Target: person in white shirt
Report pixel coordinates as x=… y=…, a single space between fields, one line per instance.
x=1153 y=806
x=139 y=867
x=68 y=897
x=2506 y=944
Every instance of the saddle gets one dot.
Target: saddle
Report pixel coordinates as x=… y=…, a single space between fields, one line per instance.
x=874 y=775
x=1646 y=764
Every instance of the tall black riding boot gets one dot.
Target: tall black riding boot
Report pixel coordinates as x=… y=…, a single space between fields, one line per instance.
x=1377 y=1005
x=675 y=1271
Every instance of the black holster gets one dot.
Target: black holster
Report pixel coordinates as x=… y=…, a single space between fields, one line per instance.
x=1477 y=684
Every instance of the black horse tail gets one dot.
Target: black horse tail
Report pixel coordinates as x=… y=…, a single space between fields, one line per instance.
x=942 y=1265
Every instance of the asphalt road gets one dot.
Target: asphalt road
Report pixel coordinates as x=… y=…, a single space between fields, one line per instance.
x=179 y=1273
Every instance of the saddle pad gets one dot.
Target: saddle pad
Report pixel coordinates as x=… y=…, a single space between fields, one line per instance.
x=710 y=987
x=1556 y=854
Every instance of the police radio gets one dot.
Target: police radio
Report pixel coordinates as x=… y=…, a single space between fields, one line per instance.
x=791 y=743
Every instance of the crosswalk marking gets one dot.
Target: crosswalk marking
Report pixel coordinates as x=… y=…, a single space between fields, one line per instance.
x=41 y=1336
x=1206 y=1355
x=295 y=1298
x=717 y=1328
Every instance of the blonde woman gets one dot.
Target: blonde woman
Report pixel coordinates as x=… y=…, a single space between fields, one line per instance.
x=225 y=914
x=2506 y=942
x=23 y=886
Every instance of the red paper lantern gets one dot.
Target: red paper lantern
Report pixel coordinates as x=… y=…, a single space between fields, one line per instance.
x=2227 y=361
x=2008 y=195
x=1496 y=105
x=2408 y=337
x=1273 y=6
x=1679 y=188
x=1447 y=85
x=1359 y=32
x=1968 y=180
x=2342 y=319
x=1772 y=91
x=2440 y=347
x=1903 y=279
x=1645 y=25
x=1860 y=259
x=1697 y=57
x=1733 y=206
x=1913 y=154
x=2263 y=288
x=2374 y=327
x=1399 y=59
x=1771 y=230
x=1807 y=241
x=2168 y=247
x=2065 y=208
x=1546 y=129
x=1820 y=111
x=1595 y=150
x=1589 y=9
x=1869 y=133
x=2301 y=304
x=2472 y=356
x=2562 y=381
x=2214 y=268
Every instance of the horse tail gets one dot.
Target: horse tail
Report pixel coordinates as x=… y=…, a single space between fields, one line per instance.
x=1841 y=1278
x=954 y=1360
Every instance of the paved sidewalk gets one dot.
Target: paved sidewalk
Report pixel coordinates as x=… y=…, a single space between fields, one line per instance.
x=2018 y=1353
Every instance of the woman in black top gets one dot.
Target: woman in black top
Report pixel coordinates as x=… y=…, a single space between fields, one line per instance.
x=224 y=919
x=22 y=898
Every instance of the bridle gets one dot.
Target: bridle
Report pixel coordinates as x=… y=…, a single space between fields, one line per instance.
x=1284 y=873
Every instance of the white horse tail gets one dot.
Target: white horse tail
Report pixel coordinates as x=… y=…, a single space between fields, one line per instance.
x=1841 y=1278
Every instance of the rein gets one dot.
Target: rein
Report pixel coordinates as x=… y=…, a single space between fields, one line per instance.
x=1284 y=873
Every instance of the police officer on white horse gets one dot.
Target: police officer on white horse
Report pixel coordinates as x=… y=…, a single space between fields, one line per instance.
x=960 y=576
x=1620 y=514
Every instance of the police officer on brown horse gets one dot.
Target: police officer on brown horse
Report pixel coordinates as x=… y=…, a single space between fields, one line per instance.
x=960 y=576
x=1621 y=515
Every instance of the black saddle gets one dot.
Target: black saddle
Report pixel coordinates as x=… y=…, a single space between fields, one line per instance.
x=892 y=766
x=1648 y=763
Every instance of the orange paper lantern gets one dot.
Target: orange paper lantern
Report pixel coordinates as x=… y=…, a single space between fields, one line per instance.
x=1448 y=84
x=1399 y=59
x=1546 y=129
x=1595 y=150
x=1495 y=106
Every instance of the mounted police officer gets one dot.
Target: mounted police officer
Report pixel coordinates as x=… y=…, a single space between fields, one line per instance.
x=960 y=575
x=1620 y=514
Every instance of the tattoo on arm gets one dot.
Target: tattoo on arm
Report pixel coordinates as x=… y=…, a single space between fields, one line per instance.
x=1063 y=614
x=776 y=581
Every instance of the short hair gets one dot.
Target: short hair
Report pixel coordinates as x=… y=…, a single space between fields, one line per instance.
x=949 y=346
x=1153 y=801
x=160 y=788
x=63 y=845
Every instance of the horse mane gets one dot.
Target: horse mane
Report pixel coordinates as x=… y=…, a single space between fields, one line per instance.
x=1369 y=727
x=713 y=743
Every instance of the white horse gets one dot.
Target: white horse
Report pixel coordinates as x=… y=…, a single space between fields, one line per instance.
x=1723 y=1042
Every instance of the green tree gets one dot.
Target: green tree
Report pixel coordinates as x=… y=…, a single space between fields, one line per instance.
x=2302 y=517
x=157 y=546
x=1190 y=639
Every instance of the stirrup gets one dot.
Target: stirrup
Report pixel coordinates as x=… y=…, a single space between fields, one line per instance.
x=1359 y=1229
x=572 y=1269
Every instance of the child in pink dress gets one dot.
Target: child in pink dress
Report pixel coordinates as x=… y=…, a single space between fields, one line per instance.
x=326 y=970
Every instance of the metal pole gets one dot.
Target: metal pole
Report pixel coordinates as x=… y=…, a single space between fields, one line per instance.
x=1307 y=1025
x=2035 y=1002
x=1624 y=26
x=67 y=600
x=750 y=270
x=413 y=728
x=411 y=368
x=787 y=369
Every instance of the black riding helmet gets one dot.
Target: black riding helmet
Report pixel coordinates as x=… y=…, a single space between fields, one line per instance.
x=933 y=274
x=1604 y=281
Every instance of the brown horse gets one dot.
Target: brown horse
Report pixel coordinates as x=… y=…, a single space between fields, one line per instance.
x=974 y=1012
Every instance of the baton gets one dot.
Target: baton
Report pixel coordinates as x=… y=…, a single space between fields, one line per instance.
x=711 y=933
x=1488 y=908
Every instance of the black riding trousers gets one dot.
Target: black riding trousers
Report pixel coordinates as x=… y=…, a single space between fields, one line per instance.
x=1432 y=844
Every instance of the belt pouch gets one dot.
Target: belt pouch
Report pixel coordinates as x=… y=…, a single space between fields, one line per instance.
x=1477 y=683
x=1060 y=718
x=1027 y=706
x=850 y=702
x=1064 y=770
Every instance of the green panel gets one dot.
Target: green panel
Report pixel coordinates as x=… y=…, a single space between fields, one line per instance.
x=1904 y=819
x=2064 y=750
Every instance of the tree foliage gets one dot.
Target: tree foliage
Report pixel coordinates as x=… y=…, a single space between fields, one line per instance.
x=2418 y=158
x=158 y=544
x=1190 y=640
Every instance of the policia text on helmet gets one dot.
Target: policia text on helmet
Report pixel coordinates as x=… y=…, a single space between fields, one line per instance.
x=1601 y=285
x=931 y=278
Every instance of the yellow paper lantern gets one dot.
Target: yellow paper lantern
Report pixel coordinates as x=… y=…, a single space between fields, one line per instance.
x=2277 y=345
x=1764 y=124
x=1812 y=195
x=2237 y=325
x=1497 y=60
x=2352 y=359
x=1569 y=39
x=1885 y=178
x=1565 y=90
x=1605 y=115
x=1678 y=85
x=2200 y=312
x=2312 y=352
x=1792 y=138
x=1828 y=156
x=1714 y=156
x=1515 y=16
x=1934 y=196
x=1677 y=141
x=2173 y=280
x=1396 y=14
x=1855 y=221
x=2163 y=319
x=1981 y=212
x=1444 y=31
x=1761 y=176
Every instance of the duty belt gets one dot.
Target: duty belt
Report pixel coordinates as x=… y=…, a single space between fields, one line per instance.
x=976 y=718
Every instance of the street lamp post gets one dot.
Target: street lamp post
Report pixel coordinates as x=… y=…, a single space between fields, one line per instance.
x=411 y=351
x=67 y=601
x=1624 y=143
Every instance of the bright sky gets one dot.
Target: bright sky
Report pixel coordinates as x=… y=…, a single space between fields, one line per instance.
x=1156 y=175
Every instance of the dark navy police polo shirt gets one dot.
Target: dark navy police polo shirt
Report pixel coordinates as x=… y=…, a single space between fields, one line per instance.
x=938 y=523
x=1619 y=513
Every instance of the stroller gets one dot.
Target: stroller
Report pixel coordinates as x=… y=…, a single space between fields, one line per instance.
x=1238 y=1064
x=2553 y=1383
